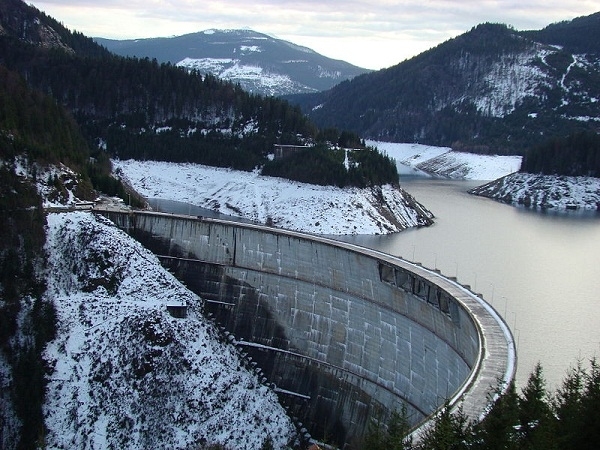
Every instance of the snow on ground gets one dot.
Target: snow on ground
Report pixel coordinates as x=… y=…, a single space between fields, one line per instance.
x=251 y=76
x=469 y=166
x=126 y=373
x=282 y=203
x=544 y=191
x=53 y=193
x=427 y=160
x=409 y=154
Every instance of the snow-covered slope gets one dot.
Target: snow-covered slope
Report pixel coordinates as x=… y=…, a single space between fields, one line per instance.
x=252 y=77
x=128 y=375
x=544 y=191
x=508 y=81
x=260 y=63
x=424 y=160
x=280 y=202
x=56 y=184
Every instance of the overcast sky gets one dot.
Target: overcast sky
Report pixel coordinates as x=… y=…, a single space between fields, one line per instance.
x=368 y=33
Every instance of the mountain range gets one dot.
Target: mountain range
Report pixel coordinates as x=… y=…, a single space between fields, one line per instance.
x=491 y=89
x=261 y=64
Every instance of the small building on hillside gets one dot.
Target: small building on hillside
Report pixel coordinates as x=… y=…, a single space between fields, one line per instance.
x=283 y=150
x=177 y=310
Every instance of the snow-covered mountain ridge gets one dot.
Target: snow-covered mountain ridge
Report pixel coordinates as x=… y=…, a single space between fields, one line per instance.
x=276 y=201
x=128 y=375
x=260 y=63
x=514 y=78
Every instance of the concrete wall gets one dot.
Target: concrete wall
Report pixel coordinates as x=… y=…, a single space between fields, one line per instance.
x=346 y=333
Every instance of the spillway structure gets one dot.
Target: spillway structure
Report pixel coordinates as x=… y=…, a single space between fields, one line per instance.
x=343 y=333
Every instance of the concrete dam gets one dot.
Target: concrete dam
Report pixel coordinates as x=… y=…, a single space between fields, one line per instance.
x=341 y=332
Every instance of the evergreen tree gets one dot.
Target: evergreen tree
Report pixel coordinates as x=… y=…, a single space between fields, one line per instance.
x=392 y=435
x=590 y=409
x=397 y=431
x=535 y=415
x=450 y=431
x=568 y=410
x=375 y=436
x=498 y=429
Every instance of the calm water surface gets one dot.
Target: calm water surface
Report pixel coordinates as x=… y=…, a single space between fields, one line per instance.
x=541 y=271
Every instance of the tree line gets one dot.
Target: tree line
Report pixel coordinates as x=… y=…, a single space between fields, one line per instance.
x=144 y=110
x=577 y=154
x=535 y=418
x=335 y=166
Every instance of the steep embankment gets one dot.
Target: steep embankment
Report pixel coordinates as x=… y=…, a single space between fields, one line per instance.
x=544 y=191
x=282 y=203
x=128 y=375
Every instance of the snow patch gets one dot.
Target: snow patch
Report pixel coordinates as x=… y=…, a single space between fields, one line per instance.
x=250 y=48
x=544 y=191
x=251 y=76
x=282 y=203
x=427 y=160
x=510 y=80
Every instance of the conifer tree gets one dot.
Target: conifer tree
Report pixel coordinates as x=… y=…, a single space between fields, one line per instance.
x=535 y=414
x=498 y=428
x=450 y=431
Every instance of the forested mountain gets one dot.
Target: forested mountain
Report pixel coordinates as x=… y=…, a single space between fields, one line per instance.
x=60 y=274
x=580 y=35
x=492 y=89
x=33 y=26
x=34 y=132
x=261 y=64
x=140 y=108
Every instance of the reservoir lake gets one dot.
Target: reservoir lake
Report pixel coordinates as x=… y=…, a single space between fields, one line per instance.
x=539 y=270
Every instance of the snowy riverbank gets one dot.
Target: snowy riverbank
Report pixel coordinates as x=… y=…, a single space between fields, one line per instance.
x=544 y=191
x=427 y=160
x=276 y=201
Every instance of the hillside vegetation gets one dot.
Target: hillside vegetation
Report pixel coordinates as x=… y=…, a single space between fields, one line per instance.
x=139 y=108
x=573 y=155
x=491 y=90
x=535 y=418
x=31 y=126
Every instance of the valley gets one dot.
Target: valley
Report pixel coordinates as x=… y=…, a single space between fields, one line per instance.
x=90 y=355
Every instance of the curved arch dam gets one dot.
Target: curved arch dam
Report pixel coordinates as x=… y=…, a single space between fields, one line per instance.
x=343 y=333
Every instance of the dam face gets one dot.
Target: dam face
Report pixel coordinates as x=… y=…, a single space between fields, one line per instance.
x=342 y=333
